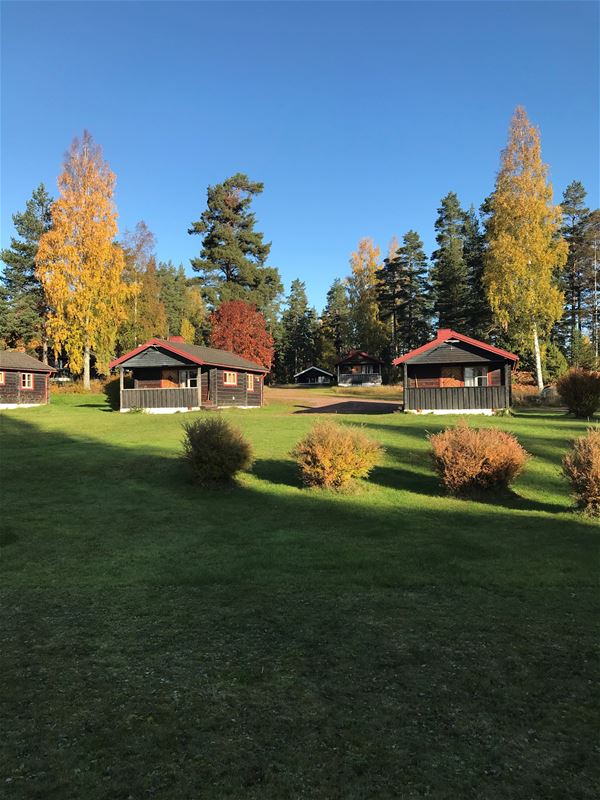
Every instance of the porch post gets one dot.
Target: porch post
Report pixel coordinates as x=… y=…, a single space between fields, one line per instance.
x=507 y=385
x=199 y=385
x=121 y=386
x=404 y=382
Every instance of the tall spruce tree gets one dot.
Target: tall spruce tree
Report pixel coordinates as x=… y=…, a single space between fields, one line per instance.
x=336 y=325
x=412 y=300
x=299 y=332
x=449 y=273
x=479 y=314
x=232 y=261
x=575 y=273
x=24 y=301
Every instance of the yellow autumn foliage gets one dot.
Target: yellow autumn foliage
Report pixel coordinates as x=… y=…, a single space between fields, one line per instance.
x=525 y=249
x=79 y=263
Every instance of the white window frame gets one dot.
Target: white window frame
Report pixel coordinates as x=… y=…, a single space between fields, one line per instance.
x=250 y=381
x=2 y=377
x=26 y=381
x=186 y=376
x=480 y=379
x=227 y=381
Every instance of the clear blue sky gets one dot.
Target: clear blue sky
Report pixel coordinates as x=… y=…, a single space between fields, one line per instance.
x=358 y=117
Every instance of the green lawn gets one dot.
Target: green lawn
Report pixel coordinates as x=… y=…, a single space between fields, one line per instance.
x=163 y=641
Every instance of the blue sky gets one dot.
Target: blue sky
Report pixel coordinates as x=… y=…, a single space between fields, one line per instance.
x=357 y=116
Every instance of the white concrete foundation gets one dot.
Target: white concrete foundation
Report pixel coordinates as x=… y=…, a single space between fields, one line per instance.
x=488 y=412
x=6 y=406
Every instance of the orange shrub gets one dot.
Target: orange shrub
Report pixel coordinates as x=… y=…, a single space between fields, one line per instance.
x=332 y=456
x=579 y=390
x=468 y=460
x=76 y=387
x=581 y=467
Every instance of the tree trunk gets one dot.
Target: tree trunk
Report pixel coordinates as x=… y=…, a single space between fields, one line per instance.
x=86 y=367
x=44 y=349
x=538 y=359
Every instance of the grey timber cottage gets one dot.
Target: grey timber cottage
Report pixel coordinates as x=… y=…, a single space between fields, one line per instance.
x=312 y=376
x=358 y=368
x=456 y=374
x=23 y=380
x=169 y=375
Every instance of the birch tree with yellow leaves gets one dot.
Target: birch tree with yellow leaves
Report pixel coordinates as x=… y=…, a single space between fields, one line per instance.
x=79 y=263
x=525 y=250
x=364 y=285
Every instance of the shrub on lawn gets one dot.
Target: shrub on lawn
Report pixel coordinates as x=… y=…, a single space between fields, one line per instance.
x=215 y=450
x=581 y=467
x=579 y=390
x=331 y=456
x=469 y=460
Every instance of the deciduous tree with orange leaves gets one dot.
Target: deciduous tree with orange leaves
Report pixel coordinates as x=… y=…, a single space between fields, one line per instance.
x=238 y=326
x=79 y=263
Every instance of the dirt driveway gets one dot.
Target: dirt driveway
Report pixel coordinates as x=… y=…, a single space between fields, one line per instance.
x=308 y=401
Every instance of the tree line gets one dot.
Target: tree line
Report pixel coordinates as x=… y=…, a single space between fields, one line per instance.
x=519 y=272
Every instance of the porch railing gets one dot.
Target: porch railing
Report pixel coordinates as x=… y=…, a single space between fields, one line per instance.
x=456 y=397
x=159 y=398
x=358 y=378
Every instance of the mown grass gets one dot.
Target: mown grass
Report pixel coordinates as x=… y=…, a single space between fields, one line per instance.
x=392 y=392
x=266 y=641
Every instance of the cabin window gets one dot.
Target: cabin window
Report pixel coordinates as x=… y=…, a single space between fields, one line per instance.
x=188 y=378
x=250 y=383
x=27 y=380
x=2 y=378
x=476 y=376
x=230 y=378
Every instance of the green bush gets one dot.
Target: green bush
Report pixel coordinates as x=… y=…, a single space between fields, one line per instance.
x=579 y=390
x=581 y=467
x=332 y=456
x=215 y=450
x=468 y=460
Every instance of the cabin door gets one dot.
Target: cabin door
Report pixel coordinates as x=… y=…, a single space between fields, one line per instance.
x=170 y=379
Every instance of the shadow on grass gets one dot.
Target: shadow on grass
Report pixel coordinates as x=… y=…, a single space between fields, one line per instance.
x=400 y=478
x=277 y=471
x=351 y=407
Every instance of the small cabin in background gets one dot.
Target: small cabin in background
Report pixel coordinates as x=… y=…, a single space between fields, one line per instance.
x=456 y=374
x=312 y=376
x=169 y=375
x=23 y=380
x=358 y=368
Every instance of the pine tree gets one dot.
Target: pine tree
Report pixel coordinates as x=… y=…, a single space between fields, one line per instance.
x=79 y=263
x=232 y=262
x=449 y=273
x=574 y=274
x=479 y=314
x=525 y=250
x=413 y=305
x=389 y=295
x=299 y=333
x=25 y=306
x=336 y=325
x=364 y=285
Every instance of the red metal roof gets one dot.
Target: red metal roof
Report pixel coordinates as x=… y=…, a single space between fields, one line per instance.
x=443 y=335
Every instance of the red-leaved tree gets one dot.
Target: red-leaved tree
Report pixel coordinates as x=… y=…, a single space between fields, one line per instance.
x=238 y=327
